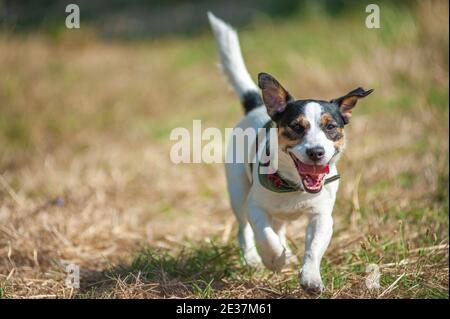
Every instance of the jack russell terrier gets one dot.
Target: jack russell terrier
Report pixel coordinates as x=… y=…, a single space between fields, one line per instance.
x=310 y=141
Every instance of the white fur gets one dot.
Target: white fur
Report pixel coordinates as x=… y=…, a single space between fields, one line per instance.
x=262 y=214
x=230 y=56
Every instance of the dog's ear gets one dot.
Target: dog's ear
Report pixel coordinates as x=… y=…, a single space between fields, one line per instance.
x=347 y=102
x=275 y=96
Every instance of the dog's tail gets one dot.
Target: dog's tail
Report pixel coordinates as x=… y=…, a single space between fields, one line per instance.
x=233 y=64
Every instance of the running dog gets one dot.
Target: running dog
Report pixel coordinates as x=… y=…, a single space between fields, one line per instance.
x=310 y=141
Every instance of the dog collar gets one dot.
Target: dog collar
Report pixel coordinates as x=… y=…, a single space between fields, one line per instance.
x=275 y=183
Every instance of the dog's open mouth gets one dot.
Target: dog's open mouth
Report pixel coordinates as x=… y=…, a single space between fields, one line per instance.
x=312 y=175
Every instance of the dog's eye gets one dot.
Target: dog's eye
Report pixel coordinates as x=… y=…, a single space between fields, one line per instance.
x=297 y=128
x=330 y=126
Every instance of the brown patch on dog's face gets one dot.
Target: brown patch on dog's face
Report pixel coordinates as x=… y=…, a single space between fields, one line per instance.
x=290 y=134
x=332 y=130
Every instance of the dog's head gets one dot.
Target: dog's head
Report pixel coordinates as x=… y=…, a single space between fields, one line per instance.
x=310 y=131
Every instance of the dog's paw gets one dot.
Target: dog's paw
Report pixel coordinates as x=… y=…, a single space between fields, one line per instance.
x=274 y=262
x=252 y=258
x=291 y=259
x=313 y=288
x=311 y=282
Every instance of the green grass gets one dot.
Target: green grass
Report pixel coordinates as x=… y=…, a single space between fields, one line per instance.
x=199 y=270
x=213 y=269
x=89 y=119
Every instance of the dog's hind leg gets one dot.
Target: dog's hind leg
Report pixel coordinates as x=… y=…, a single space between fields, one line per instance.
x=238 y=189
x=279 y=227
x=270 y=247
x=246 y=239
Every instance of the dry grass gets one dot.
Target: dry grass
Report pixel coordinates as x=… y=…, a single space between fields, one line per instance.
x=85 y=175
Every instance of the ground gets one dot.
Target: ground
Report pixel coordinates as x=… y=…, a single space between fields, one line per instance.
x=85 y=175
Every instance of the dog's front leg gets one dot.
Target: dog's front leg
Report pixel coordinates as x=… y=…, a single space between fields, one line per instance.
x=270 y=247
x=318 y=235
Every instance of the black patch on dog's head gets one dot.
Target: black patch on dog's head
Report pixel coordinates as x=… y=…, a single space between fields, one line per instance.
x=334 y=112
x=296 y=109
x=289 y=114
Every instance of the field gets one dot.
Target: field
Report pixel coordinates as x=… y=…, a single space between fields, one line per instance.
x=85 y=175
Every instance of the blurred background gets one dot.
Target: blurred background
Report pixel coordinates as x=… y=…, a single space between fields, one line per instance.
x=85 y=118
x=153 y=18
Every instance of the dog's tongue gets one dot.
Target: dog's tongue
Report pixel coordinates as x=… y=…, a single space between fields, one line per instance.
x=313 y=169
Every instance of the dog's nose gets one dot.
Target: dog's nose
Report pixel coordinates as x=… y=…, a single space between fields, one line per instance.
x=315 y=153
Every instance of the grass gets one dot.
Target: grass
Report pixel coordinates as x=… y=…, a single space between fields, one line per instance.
x=85 y=176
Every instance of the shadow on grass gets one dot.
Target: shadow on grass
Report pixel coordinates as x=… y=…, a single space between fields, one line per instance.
x=198 y=270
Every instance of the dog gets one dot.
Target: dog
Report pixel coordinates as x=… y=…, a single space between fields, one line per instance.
x=310 y=141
